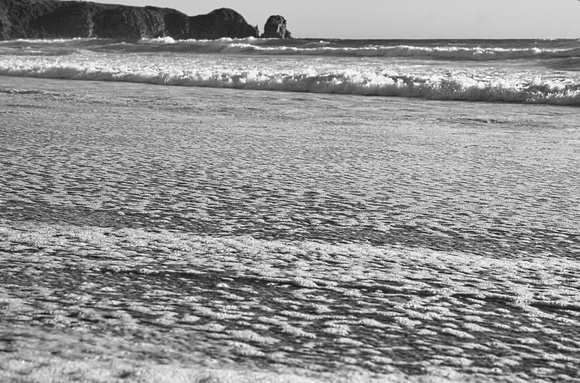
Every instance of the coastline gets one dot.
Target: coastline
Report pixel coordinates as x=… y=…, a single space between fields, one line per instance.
x=51 y=19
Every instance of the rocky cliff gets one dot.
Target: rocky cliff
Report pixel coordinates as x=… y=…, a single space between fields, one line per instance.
x=69 y=19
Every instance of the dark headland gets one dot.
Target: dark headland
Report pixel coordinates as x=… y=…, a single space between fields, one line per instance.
x=49 y=19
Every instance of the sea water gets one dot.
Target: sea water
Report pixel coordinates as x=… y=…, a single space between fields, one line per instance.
x=532 y=71
x=297 y=210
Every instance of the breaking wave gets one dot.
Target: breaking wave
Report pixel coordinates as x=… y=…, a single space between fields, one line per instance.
x=474 y=50
x=517 y=71
x=340 y=81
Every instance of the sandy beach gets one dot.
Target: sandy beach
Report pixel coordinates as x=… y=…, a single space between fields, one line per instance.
x=155 y=233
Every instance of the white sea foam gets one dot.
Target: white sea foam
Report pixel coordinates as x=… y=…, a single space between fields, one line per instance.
x=434 y=70
x=471 y=86
x=159 y=40
x=453 y=53
x=459 y=51
x=446 y=314
x=240 y=240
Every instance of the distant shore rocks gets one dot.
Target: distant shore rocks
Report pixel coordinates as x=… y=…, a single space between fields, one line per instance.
x=70 y=19
x=276 y=28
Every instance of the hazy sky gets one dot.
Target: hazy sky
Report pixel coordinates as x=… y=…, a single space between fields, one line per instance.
x=391 y=19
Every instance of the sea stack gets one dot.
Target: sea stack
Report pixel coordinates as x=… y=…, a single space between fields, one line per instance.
x=275 y=27
x=49 y=19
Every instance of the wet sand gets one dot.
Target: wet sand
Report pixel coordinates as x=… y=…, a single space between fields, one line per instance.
x=186 y=234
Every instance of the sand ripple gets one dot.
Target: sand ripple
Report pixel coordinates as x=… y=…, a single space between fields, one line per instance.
x=336 y=235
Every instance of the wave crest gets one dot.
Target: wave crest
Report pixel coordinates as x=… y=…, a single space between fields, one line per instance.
x=350 y=81
x=345 y=48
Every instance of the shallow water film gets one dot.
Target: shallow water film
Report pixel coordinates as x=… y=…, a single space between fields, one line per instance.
x=152 y=233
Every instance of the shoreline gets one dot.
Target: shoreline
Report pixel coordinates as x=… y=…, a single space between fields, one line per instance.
x=200 y=234
x=287 y=93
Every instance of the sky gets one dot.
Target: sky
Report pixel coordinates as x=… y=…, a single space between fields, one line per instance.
x=400 y=19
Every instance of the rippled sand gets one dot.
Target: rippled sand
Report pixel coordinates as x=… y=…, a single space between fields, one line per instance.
x=181 y=234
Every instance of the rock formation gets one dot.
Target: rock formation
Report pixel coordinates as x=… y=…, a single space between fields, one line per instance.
x=275 y=27
x=69 y=19
x=221 y=23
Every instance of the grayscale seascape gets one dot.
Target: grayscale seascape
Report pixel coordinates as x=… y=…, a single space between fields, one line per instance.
x=286 y=225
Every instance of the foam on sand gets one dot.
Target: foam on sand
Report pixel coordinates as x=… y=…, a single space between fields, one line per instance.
x=35 y=367
x=243 y=296
x=324 y=237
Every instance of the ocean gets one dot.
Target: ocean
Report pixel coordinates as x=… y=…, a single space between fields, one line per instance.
x=521 y=71
x=256 y=210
